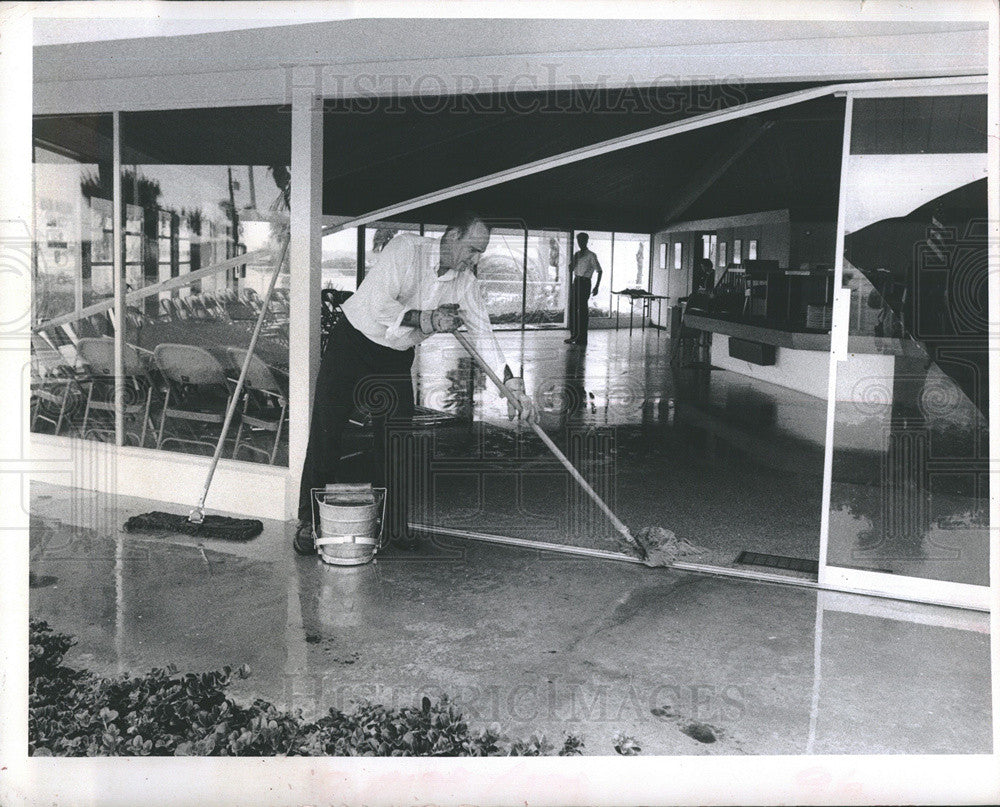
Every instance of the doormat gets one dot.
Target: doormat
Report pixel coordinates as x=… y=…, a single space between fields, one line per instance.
x=779 y=562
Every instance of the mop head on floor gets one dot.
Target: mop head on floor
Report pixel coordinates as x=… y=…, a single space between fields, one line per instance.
x=220 y=527
x=656 y=546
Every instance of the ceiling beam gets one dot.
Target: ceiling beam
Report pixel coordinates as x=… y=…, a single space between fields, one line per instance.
x=715 y=166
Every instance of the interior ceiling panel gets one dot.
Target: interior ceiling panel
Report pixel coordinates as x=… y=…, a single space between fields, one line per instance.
x=385 y=156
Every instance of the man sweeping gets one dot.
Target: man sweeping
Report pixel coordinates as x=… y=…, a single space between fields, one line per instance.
x=418 y=287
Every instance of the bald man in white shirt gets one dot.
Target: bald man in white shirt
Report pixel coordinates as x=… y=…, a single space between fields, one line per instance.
x=418 y=287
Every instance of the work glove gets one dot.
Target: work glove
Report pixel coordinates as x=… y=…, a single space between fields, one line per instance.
x=443 y=319
x=526 y=407
x=594 y=292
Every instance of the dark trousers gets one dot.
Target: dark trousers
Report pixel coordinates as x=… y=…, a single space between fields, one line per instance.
x=357 y=373
x=579 y=310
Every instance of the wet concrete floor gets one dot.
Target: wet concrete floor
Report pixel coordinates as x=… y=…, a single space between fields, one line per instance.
x=685 y=664
x=706 y=455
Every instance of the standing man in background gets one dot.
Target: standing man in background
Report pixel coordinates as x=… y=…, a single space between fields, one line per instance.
x=418 y=286
x=582 y=267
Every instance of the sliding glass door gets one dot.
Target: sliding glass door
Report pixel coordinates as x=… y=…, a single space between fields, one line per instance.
x=908 y=463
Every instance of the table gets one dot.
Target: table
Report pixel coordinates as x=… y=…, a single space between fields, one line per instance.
x=647 y=301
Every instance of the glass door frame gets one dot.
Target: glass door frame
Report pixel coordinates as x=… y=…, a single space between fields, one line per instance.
x=862 y=581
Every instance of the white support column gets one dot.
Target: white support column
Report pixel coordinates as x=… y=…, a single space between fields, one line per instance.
x=304 y=263
x=118 y=263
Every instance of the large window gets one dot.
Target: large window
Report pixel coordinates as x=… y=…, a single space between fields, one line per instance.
x=537 y=295
x=72 y=218
x=72 y=161
x=547 y=285
x=340 y=260
x=501 y=275
x=624 y=257
x=524 y=274
x=194 y=192
x=602 y=245
x=630 y=265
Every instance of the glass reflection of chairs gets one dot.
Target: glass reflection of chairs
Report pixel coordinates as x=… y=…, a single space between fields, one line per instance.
x=191 y=309
x=195 y=306
x=236 y=306
x=215 y=308
x=98 y=357
x=173 y=310
x=195 y=395
x=265 y=405
x=254 y=297
x=55 y=388
x=275 y=327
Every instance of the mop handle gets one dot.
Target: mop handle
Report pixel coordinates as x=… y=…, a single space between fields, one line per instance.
x=197 y=515
x=463 y=339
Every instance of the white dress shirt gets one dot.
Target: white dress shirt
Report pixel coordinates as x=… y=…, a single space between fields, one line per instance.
x=405 y=277
x=585 y=263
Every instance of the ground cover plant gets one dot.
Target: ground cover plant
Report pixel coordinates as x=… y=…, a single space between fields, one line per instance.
x=167 y=713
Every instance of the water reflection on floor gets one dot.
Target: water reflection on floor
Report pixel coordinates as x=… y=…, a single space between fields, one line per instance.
x=727 y=462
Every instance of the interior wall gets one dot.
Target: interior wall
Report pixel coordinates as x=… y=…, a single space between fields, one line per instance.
x=771 y=229
x=812 y=243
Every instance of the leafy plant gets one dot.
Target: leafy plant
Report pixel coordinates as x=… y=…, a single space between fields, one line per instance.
x=164 y=712
x=626 y=746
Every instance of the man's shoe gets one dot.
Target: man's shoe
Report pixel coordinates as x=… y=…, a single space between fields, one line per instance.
x=568 y=341
x=304 y=542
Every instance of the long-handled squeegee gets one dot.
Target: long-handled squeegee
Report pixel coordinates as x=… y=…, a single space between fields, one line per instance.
x=655 y=546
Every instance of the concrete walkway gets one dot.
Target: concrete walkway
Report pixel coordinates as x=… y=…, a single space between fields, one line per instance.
x=685 y=664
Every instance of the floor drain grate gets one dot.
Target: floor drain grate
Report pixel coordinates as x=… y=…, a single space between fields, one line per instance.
x=778 y=562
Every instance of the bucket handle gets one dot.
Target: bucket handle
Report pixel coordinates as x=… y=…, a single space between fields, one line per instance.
x=346 y=539
x=316 y=492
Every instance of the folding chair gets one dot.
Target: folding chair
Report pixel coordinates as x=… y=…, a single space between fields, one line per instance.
x=185 y=305
x=134 y=316
x=53 y=382
x=176 y=311
x=687 y=337
x=99 y=357
x=197 y=307
x=195 y=391
x=166 y=311
x=237 y=309
x=250 y=298
x=215 y=309
x=96 y=325
x=265 y=405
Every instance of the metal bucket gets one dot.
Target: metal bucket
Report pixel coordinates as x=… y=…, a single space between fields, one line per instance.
x=349 y=522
